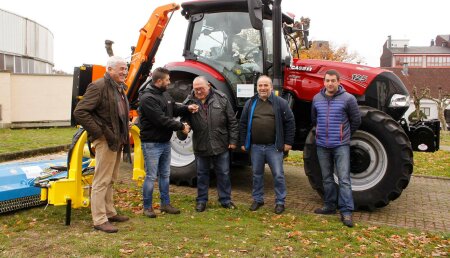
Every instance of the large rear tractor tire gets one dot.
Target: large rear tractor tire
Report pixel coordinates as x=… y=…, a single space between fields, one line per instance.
x=183 y=170
x=381 y=160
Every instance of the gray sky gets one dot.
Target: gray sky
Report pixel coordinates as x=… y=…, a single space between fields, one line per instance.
x=80 y=27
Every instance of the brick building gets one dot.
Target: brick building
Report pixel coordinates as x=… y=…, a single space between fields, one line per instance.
x=422 y=67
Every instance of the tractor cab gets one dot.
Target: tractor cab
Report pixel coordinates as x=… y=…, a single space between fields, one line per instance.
x=222 y=36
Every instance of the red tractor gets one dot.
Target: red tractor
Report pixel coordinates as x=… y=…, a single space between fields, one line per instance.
x=232 y=42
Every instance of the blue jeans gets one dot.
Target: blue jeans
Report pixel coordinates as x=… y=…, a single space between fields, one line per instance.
x=221 y=164
x=157 y=164
x=260 y=154
x=336 y=160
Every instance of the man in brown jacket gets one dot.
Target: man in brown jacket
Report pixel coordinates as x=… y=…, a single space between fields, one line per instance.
x=103 y=112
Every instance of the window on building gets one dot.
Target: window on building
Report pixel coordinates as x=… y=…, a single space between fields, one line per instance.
x=438 y=61
x=18 y=64
x=412 y=61
x=9 y=63
x=24 y=65
x=30 y=66
x=425 y=110
x=2 y=62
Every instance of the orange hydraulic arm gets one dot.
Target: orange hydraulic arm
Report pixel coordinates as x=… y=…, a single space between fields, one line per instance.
x=150 y=38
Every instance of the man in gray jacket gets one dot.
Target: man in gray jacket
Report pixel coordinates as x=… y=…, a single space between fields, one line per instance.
x=215 y=132
x=103 y=112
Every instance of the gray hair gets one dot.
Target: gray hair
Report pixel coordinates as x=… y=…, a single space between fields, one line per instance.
x=112 y=61
x=264 y=77
x=201 y=78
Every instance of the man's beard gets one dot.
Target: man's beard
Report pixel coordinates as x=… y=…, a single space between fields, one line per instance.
x=163 y=87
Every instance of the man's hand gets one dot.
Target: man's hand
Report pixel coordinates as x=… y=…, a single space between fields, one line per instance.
x=243 y=148
x=193 y=108
x=232 y=146
x=186 y=128
x=287 y=147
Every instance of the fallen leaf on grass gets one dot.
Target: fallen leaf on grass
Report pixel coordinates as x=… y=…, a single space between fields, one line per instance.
x=293 y=234
x=126 y=251
x=146 y=244
x=278 y=248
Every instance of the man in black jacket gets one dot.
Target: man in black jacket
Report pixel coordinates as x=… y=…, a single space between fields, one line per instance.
x=267 y=129
x=157 y=110
x=215 y=131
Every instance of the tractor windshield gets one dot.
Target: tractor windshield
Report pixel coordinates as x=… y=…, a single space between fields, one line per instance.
x=228 y=43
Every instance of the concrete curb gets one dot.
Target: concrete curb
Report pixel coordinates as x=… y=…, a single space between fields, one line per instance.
x=432 y=177
x=31 y=153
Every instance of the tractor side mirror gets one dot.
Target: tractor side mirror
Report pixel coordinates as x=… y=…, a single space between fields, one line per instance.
x=255 y=9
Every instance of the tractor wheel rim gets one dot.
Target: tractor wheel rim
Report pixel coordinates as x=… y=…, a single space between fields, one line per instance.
x=372 y=171
x=181 y=152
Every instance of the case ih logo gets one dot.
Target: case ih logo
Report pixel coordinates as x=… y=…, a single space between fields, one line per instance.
x=301 y=68
x=359 y=78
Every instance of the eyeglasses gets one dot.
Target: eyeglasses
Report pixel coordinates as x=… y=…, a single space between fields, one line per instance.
x=200 y=89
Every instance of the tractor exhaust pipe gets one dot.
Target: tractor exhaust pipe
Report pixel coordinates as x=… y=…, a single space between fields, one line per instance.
x=276 y=26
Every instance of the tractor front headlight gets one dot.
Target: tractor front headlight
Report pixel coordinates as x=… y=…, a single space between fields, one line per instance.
x=399 y=100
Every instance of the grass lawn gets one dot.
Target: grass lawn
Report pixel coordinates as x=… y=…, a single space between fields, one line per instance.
x=217 y=233
x=445 y=138
x=13 y=140
x=432 y=164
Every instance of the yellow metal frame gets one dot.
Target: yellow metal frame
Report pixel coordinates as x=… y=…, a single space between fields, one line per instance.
x=138 y=163
x=76 y=187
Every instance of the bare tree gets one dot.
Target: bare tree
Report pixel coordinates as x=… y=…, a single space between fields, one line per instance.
x=417 y=97
x=442 y=102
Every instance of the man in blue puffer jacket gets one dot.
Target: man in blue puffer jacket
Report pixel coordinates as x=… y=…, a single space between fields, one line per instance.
x=336 y=115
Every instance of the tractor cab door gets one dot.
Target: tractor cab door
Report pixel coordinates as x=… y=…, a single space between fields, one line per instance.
x=228 y=43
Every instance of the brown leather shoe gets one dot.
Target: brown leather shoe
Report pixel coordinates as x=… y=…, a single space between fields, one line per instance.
x=118 y=218
x=106 y=227
x=150 y=213
x=169 y=209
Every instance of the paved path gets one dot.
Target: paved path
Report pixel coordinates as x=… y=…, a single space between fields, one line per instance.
x=424 y=204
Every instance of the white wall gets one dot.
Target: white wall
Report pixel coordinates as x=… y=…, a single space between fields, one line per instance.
x=5 y=99
x=35 y=100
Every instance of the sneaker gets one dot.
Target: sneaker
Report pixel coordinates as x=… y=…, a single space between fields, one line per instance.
x=347 y=220
x=169 y=209
x=150 y=213
x=229 y=205
x=106 y=227
x=200 y=207
x=279 y=208
x=256 y=205
x=118 y=218
x=324 y=211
